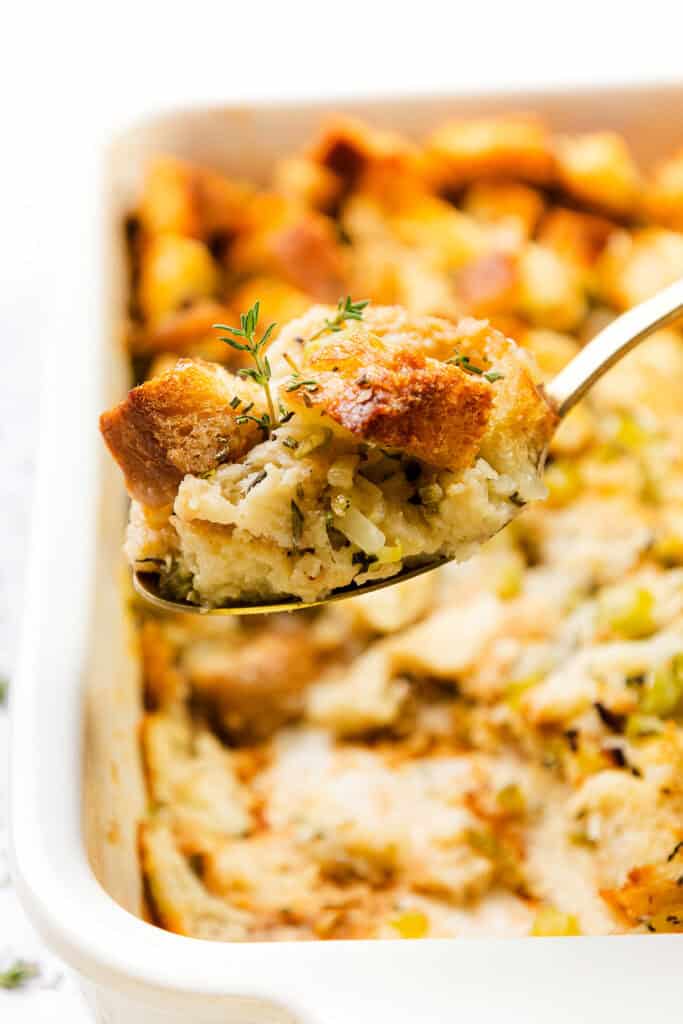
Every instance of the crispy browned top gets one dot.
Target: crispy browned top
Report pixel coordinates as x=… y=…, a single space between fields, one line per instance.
x=396 y=396
x=180 y=422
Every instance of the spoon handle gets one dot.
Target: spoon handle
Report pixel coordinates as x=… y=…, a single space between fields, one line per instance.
x=608 y=347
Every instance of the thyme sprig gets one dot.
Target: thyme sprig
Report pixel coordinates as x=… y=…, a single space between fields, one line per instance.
x=346 y=310
x=261 y=372
x=18 y=974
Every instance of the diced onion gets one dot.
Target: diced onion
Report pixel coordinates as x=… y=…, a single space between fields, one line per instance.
x=316 y=439
x=361 y=531
x=342 y=471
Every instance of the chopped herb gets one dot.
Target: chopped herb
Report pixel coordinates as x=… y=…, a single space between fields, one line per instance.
x=465 y=363
x=290 y=442
x=675 y=851
x=261 y=475
x=260 y=373
x=18 y=974
x=297 y=522
x=4 y=690
x=572 y=738
x=295 y=382
x=235 y=402
x=263 y=422
x=613 y=721
x=346 y=310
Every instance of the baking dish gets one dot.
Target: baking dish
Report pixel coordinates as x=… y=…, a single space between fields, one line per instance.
x=76 y=786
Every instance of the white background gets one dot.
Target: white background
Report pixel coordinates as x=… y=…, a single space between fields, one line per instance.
x=71 y=74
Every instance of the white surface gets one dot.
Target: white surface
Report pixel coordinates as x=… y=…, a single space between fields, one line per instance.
x=71 y=73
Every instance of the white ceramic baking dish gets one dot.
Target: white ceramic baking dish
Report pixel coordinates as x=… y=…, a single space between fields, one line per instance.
x=76 y=786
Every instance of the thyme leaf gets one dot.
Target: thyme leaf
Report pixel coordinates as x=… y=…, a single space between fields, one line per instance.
x=261 y=372
x=297 y=522
x=346 y=310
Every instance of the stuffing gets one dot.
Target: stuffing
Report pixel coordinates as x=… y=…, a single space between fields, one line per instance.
x=410 y=438
x=490 y=749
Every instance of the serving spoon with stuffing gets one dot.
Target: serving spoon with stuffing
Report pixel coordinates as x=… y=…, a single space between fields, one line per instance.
x=556 y=399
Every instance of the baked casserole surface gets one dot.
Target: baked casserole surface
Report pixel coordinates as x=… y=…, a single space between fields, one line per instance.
x=495 y=748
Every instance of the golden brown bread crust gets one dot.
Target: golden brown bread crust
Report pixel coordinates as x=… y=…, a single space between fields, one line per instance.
x=397 y=397
x=180 y=422
x=514 y=146
x=186 y=199
x=298 y=245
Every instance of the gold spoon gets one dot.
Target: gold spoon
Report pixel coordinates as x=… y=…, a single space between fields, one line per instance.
x=562 y=393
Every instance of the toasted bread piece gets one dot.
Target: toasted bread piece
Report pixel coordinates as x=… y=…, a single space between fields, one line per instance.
x=178 y=423
x=187 y=329
x=597 y=169
x=663 y=199
x=185 y=199
x=285 y=240
x=356 y=153
x=174 y=272
x=387 y=381
x=396 y=397
x=516 y=147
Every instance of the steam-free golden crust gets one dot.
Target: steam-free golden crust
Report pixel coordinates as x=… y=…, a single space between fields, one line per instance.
x=396 y=397
x=387 y=380
x=180 y=422
x=516 y=147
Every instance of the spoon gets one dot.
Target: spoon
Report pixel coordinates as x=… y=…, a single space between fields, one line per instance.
x=561 y=394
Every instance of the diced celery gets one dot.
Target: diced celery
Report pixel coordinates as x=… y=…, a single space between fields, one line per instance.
x=410 y=924
x=515 y=689
x=511 y=800
x=662 y=693
x=628 y=610
x=316 y=439
x=638 y=726
x=552 y=922
x=387 y=555
x=509 y=583
x=563 y=481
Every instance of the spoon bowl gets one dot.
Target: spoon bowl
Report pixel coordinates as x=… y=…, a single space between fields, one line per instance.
x=561 y=394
